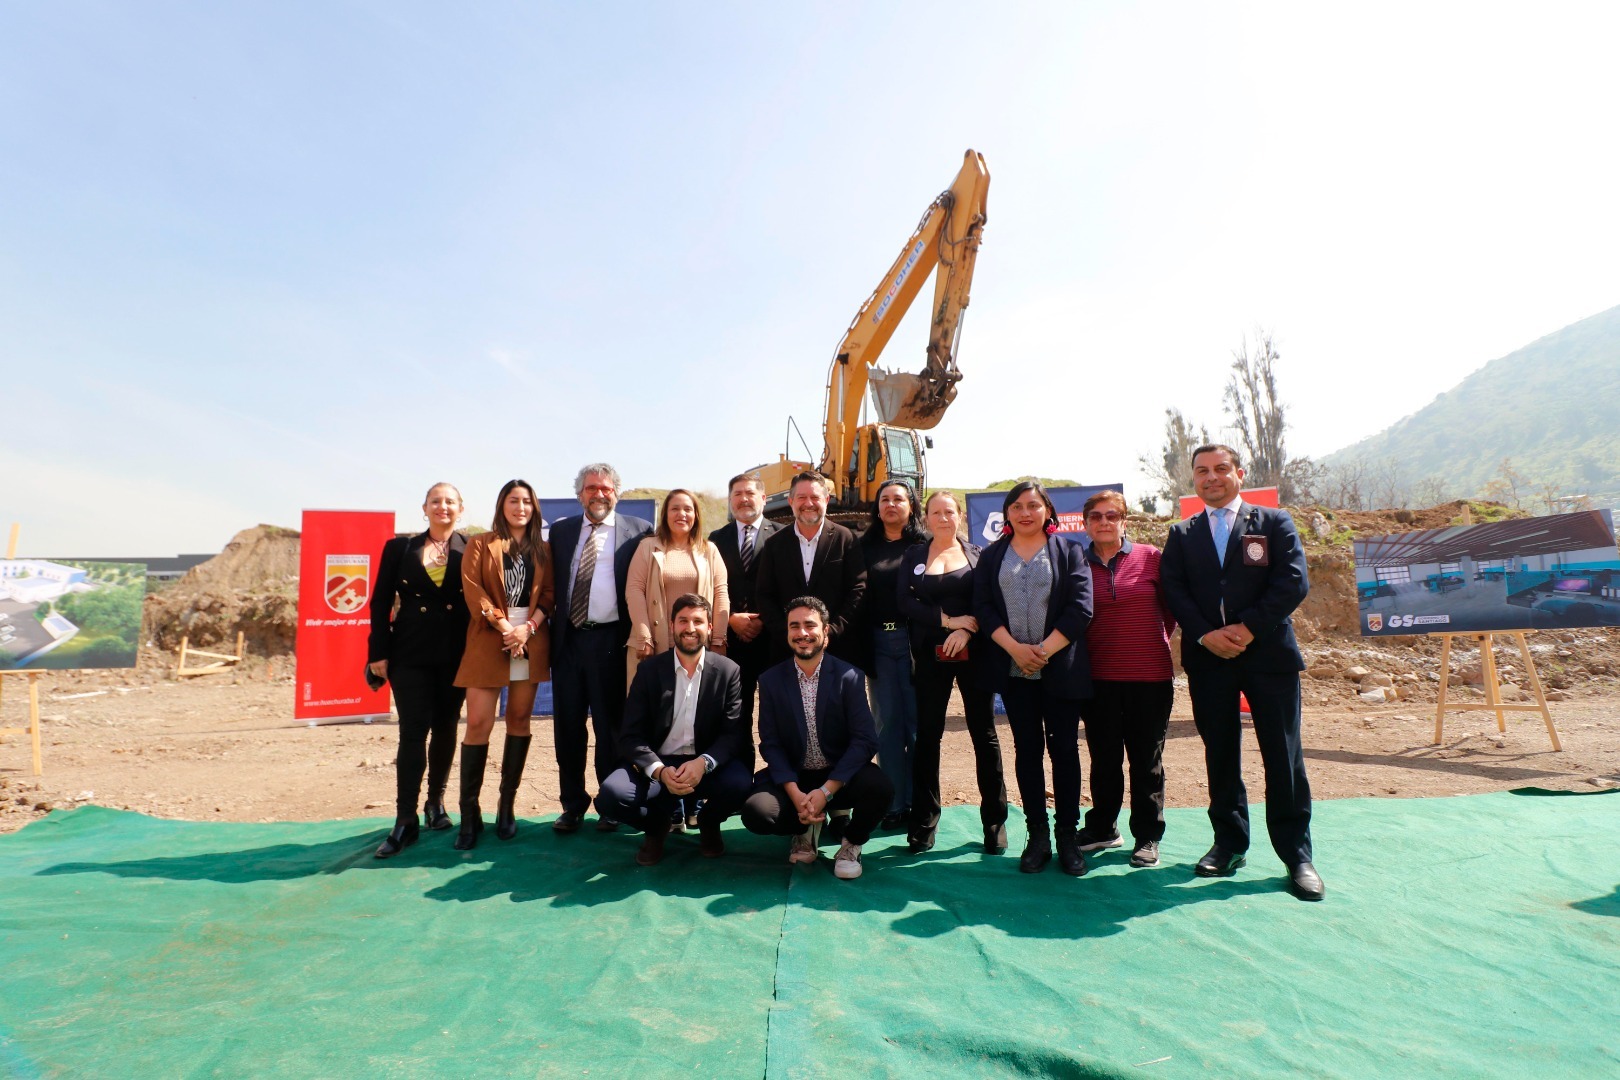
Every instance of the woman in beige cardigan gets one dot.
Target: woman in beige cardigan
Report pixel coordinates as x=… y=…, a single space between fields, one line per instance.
x=677 y=559
x=507 y=579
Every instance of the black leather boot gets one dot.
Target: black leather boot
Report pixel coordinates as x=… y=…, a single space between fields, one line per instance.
x=513 y=755
x=403 y=836
x=1037 y=853
x=1071 y=860
x=473 y=760
x=433 y=815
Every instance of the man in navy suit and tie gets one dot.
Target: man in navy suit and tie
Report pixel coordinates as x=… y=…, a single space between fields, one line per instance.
x=1233 y=575
x=588 y=633
x=739 y=541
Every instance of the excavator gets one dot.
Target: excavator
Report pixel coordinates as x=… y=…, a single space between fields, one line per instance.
x=857 y=458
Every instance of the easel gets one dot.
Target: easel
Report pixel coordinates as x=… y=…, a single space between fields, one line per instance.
x=1493 y=688
x=32 y=730
x=222 y=661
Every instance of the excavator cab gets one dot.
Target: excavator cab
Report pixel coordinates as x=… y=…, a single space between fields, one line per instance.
x=880 y=453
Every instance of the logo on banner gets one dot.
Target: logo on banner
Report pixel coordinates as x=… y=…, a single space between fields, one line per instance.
x=1375 y=623
x=348 y=582
x=992 y=526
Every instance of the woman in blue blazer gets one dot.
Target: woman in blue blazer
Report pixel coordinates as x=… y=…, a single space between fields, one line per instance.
x=1032 y=599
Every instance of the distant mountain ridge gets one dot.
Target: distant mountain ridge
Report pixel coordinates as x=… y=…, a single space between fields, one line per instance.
x=1553 y=407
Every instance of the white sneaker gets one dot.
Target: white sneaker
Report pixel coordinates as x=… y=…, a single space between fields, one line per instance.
x=848 y=863
x=803 y=848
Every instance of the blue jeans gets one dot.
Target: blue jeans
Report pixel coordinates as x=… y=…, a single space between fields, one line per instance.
x=894 y=709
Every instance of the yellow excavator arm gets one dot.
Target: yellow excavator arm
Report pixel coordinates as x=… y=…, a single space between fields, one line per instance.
x=947 y=242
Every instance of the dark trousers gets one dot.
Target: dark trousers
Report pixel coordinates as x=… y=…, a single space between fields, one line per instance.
x=1127 y=719
x=769 y=810
x=630 y=798
x=1274 y=704
x=752 y=657
x=934 y=681
x=429 y=704
x=587 y=676
x=1044 y=724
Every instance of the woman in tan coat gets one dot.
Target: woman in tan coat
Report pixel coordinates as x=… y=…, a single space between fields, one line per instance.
x=507 y=579
x=677 y=559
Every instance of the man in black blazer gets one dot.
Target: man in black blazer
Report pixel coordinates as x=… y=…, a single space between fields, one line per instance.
x=817 y=558
x=817 y=738
x=682 y=737
x=1233 y=574
x=588 y=633
x=740 y=541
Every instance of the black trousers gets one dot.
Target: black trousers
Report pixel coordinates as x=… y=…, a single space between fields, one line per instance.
x=933 y=681
x=752 y=657
x=429 y=705
x=770 y=812
x=630 y=798
x=587 y=677
x=1044 y=724
x=1274 y=704
x=1127 y=719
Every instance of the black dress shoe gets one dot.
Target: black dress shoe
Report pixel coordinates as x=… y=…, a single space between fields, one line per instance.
x=1218 y=862
x=472 y=827
x=893 y=820
x=567 y=822
x=920 y=840
x=605 y=825
x=1304 y=882
x=1071 y=860
x=405 y=833
x=434 y=817
x=1037 y=853
x=995 y=839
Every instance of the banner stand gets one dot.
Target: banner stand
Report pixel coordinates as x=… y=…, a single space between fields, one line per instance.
x=32 y=730
x=1493 y=689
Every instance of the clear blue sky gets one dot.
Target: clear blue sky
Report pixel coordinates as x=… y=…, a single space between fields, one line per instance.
x=261 y=257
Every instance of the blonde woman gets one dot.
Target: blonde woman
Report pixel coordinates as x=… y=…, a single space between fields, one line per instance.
x=677 y=559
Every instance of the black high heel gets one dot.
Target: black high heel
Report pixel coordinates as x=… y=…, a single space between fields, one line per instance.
x=404 y=834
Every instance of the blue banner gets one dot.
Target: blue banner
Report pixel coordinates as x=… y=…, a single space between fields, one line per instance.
x=984 y=511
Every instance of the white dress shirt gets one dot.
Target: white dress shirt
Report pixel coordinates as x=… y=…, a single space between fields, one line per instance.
x=807 y=548
x=604 y=606
x=682 y=737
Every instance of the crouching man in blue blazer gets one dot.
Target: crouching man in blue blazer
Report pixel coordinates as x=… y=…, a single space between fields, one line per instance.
x=1233 y=575
x=817 y=738
x=683 y=736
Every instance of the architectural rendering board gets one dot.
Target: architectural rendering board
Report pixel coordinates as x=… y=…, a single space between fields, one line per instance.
x=68 y=613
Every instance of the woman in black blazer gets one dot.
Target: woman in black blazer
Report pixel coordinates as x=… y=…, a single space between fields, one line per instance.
x=936 y=597
x=1032 y=597
x=418 y=648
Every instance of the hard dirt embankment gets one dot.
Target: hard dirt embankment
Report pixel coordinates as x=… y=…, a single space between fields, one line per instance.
x=225 y=746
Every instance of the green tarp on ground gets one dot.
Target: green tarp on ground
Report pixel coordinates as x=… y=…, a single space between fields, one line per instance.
x=1468 y=937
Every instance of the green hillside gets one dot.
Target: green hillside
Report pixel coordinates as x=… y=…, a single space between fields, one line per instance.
x=1553 y=407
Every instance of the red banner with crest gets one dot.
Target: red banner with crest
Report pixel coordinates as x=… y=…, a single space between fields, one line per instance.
x=337 y=564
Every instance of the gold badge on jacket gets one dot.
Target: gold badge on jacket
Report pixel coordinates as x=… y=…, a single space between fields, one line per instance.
x=1256 y=551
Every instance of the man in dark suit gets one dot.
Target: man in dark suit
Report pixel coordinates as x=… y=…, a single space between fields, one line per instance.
x=1233 y=574
x=682 y=737
x=588 y=634
x=739 y=541
x=817 y=738
x=817 y=558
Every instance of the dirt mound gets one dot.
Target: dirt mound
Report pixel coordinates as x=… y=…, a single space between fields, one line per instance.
x=251 y=586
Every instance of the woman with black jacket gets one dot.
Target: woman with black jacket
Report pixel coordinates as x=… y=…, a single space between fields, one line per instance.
x=936 y=597
x=1032 y=597
x=417 y=648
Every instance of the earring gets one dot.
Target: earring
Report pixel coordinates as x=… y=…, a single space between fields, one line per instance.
x=1051 y=527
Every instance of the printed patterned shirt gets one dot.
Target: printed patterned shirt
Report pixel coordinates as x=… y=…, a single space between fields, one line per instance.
x=808 y=686
x=1027 y=588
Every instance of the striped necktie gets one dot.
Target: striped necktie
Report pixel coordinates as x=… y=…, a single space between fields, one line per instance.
x=747 y=553
x=579 y=601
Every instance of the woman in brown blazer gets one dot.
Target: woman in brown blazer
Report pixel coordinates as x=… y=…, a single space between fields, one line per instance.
x=677 y=559
x=507 y=578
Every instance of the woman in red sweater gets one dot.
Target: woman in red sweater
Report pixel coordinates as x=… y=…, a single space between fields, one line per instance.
x=1132 y=683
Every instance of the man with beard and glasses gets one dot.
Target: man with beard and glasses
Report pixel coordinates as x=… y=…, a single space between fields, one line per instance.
x=592 y=555
x=816 y=557
x=817 y=739
x=682 y=737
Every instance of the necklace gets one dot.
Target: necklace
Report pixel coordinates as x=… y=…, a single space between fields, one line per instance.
x=440 y=551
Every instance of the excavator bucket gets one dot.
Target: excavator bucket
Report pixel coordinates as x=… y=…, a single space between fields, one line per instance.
x=913 y=401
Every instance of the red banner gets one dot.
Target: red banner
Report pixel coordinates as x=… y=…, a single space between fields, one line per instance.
x=1267 y=496
x=337 y=562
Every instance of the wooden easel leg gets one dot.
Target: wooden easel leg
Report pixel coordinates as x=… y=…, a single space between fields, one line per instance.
x=1445 y=679
x=33 y=720
x=1493 y=685
x=1535 y=684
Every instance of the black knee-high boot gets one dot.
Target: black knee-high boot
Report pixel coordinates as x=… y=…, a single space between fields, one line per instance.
x=473 y=760
x=438 y=776
x=513 y=755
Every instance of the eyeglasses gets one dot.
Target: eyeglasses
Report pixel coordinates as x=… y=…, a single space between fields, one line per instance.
x=1109 y=516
